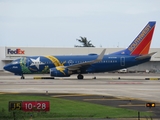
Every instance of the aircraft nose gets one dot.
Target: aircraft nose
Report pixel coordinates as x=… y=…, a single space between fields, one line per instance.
x=13 y=68
x=6 y=67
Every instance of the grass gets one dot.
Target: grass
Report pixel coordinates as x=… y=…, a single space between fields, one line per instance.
x=62 y=108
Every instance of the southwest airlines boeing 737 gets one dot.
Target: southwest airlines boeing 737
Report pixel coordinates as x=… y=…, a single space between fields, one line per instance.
x=59 y=66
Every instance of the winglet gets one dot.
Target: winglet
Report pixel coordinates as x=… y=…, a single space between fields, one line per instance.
x=100 y=57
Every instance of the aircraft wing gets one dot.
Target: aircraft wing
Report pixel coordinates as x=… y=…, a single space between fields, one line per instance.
x=88 y=63
x=145 y=56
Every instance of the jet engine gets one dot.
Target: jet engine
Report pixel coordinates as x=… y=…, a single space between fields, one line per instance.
x=60 y=72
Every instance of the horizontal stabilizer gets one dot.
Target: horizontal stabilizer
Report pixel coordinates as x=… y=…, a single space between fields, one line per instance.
x=145 y=56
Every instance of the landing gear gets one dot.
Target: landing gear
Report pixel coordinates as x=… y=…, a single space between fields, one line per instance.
x=22 y=77
x=80 y=76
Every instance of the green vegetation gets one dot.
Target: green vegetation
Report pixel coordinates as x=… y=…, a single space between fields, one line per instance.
x=62 y=108
x=84 y=42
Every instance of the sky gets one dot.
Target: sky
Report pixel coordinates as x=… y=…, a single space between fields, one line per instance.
x=59 y=23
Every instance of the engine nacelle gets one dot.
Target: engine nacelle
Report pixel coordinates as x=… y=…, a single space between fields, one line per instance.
x=59 y=72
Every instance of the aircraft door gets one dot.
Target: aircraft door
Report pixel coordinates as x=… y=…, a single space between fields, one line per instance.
x=122 y=61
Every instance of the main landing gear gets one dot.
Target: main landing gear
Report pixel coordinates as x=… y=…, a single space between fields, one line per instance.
x=79 y=76
x=22 y=77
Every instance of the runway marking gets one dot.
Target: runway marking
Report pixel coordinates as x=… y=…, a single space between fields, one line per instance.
x=131 y=105
x=124 y=83
x=105 y=99
x=145 y=100
x=139 y=99
x=9 y=93
x=70 y=95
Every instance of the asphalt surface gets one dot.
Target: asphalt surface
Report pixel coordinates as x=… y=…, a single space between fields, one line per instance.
x=129 y=91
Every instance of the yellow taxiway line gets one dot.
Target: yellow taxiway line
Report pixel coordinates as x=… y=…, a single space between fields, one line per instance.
x=70 y=95
x=105 y=99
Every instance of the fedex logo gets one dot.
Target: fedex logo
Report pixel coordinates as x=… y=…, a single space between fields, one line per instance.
x=17 y=51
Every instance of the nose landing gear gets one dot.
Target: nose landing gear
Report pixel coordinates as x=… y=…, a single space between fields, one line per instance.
x=22 y=77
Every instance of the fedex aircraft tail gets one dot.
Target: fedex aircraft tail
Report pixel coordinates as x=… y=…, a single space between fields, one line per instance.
x=141 y=44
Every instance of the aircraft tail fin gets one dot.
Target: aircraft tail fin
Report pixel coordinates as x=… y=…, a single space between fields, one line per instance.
x=141 y=44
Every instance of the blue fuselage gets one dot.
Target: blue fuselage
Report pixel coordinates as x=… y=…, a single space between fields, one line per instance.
x=43 y=64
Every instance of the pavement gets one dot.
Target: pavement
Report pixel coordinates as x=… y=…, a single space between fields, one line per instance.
x=131 y=91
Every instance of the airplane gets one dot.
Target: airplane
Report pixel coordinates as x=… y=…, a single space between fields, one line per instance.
x=65 y=66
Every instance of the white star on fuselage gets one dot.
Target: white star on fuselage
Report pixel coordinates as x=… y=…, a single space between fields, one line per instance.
x=36 y=62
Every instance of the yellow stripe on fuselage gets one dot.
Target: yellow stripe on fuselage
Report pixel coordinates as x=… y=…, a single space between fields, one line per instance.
x=57 y=63
x=54 y=60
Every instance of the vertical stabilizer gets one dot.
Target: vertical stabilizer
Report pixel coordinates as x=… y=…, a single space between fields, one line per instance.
x=141 y=44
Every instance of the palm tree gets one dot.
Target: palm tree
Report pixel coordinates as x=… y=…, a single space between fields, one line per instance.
x=84 y=42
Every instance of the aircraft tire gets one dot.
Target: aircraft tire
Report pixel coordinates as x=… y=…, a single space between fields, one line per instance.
x=80 y=76
x=22 y=77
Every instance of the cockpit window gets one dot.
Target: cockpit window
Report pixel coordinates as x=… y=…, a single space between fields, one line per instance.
x=15 y=61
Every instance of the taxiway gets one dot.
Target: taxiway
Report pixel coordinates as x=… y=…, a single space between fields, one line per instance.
x=128 y=86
